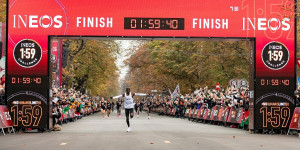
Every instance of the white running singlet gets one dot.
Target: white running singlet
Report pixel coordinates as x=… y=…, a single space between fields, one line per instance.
x=128 y=101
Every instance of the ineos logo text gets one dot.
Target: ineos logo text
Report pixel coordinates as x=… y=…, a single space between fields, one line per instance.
x=35 y=21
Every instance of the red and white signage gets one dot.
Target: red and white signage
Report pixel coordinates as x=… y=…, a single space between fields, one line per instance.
x=295 y=122
x=298 y=62
x=263 y=20
x=5 y=119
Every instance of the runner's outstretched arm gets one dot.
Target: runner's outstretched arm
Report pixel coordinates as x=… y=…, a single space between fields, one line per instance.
x=116 y=97
x=140 y=94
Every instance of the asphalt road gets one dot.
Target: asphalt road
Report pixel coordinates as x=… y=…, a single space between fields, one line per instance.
x=159 y=132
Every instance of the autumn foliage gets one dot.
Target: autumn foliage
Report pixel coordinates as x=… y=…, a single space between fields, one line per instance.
x=91 y=66
x=162 y=64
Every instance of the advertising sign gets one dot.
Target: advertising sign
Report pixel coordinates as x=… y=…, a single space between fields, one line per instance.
x=295 y=122
x=5 y=119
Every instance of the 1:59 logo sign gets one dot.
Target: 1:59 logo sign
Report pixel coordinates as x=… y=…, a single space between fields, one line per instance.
x=275 y=55
x=27 y=53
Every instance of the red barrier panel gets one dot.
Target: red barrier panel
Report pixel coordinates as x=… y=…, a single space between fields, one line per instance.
x=202 y=112
x=187 y=112
x=214 y=113
x=295 y=122
x=5 y=119
x=220 y=112
x=207 y=113
x=173 y=111
x=224 y=114
x=192 y=111
x=232 y=114
x=196 y=113
x=235 y=115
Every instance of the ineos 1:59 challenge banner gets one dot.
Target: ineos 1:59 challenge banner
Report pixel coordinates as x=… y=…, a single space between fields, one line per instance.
x=32 y=22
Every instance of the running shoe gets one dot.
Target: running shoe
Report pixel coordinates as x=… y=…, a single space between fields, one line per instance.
x=128 y=129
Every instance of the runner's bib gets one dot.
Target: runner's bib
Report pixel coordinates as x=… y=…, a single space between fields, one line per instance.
x=128 y=101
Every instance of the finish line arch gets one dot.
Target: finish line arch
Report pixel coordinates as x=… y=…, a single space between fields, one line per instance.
x=32 y=23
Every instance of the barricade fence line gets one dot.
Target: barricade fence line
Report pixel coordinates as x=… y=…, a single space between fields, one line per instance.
x=218 y=114
x=222 y=114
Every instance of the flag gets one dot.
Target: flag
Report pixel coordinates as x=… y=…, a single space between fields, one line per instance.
x=176 y=91
x=66 y=109
x=170 y=92
x=196 y=92
x=217 y=86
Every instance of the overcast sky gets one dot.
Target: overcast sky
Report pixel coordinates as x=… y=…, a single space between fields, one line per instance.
x=125 y=45
x=125 y=52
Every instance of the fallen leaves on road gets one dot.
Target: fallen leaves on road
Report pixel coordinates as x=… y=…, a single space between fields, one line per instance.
x=63 y=144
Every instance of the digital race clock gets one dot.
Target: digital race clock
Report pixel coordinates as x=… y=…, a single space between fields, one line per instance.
x=154 y=23
x=275 y=102
x=28 y=81
x=274 y=82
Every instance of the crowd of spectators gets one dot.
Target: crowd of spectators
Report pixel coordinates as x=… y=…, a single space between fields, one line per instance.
x=69 y=105
x=204 y=98
x=2 y=90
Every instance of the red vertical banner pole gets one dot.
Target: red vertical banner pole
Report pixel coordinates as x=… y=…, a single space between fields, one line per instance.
x=60 y=62
x=54 y=60
x=3 y=38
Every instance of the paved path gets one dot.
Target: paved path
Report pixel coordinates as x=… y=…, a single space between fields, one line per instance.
x=160 y=132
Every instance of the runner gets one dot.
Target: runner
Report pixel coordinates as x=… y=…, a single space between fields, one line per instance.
x=128 y=104
x=149 y=105
x=137 y=108
x=108 y=107
x=141 y=105
x=103 y=107
x=112 y=104
x=119 y=104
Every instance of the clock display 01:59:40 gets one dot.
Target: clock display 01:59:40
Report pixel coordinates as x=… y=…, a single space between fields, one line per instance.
x=26 y=80
x=275 y=82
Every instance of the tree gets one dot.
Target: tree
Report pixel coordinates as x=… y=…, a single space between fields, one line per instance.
x=91 y=65
x=3 y=11
x=163 y=64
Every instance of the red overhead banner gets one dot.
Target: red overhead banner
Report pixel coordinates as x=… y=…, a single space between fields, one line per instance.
x=263 y=20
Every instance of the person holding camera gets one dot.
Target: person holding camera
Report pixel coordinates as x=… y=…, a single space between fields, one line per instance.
x=297 y=94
